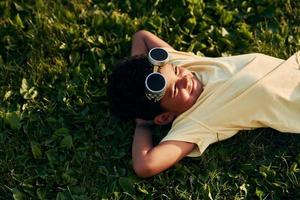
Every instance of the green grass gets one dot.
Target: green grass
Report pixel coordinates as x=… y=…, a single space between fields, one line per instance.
x=57 y=138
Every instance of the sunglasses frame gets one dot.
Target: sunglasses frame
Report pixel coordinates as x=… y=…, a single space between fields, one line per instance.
x=156 y=95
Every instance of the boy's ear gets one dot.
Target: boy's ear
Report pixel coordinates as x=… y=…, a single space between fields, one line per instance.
x=163 y=118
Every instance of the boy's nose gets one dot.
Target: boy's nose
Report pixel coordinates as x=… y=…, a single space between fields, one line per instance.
x=183 y=83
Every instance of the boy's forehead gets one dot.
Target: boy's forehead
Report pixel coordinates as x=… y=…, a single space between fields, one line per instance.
x=166 y=67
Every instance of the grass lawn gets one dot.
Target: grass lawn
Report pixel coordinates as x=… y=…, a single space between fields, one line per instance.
x=57 y=137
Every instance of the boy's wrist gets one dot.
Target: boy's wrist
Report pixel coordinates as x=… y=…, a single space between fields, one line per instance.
x=142 y=122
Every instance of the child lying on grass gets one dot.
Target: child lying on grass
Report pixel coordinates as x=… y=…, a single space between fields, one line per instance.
x=206 y=99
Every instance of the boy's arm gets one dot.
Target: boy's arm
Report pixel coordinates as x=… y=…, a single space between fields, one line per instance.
x=143 y=41
x=149 y=160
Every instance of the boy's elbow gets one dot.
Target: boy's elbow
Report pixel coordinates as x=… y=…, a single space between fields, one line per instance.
x=140 y=34
x=143 y=170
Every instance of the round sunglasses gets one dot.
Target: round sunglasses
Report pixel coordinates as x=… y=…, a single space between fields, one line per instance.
x=155 y=82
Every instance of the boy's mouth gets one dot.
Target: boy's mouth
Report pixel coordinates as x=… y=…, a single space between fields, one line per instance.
x=192 y=84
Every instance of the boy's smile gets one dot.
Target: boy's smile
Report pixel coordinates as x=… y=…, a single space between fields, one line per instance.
x=182 y=91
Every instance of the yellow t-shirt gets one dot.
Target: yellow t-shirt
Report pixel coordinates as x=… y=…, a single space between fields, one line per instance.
x=240 y=93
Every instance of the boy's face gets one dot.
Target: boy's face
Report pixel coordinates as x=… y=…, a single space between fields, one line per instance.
x=182 y=90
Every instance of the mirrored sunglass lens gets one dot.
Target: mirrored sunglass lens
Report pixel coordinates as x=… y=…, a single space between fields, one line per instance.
x=156 y=82
x=159 y=54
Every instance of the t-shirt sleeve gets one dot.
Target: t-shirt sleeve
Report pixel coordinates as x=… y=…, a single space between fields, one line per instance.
x=192 y=132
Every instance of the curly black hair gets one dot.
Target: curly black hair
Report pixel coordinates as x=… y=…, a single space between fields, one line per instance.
x=126 y=90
